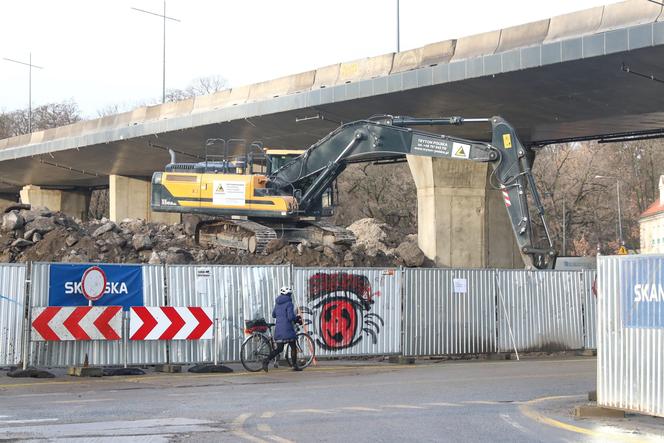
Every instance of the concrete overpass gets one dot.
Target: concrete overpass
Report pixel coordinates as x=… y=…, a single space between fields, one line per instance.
x=554 y=79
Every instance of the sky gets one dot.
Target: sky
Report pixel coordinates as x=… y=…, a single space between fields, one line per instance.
x=101 y=53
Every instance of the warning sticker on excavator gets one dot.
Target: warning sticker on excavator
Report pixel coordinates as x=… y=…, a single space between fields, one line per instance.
x=507 y=141
x=460 y=150
x=228 y=193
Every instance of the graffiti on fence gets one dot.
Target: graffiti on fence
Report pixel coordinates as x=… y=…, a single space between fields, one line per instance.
x=339 y=308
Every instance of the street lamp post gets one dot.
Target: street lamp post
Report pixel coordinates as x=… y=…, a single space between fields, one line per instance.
x=398 y=36
x=164 y=17
x=620 y=233
x=30 y=66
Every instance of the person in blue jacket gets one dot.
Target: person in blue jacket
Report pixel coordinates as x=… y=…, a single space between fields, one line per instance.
x=284 y=332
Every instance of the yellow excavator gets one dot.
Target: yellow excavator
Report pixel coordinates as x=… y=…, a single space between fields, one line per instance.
x=256 y=194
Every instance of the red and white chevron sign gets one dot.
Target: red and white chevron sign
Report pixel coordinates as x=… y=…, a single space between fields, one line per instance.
x=170 y=323
x=59 y=323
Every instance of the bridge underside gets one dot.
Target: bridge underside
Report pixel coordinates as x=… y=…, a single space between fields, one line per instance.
x=588 y=97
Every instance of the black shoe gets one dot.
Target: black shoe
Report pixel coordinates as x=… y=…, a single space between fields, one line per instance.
x=265 y=365
x=297 y=368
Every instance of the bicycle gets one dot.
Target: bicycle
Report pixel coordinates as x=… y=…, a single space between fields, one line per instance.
x=260 y=342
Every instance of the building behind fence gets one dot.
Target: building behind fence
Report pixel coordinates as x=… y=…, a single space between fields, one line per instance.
x=348 y=311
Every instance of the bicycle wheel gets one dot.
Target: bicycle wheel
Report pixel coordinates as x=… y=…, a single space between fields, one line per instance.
x=306 y=350
x=255 y=349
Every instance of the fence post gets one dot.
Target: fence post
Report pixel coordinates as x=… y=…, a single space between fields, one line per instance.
x=27 y=330
x=509 y=326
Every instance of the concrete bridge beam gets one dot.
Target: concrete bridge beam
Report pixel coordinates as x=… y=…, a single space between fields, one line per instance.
x=130 y=198
x=462 y=221
x=72 y=203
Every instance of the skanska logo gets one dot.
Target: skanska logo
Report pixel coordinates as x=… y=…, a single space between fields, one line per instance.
x=75 y=287
x=648 y=292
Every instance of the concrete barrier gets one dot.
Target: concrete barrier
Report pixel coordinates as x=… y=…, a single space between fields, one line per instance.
x=49 y=134
x=210 y=102
x=629 y=13
x=3 y=143
x=138 y=115
x=176 y=109
x=436 y=53
x=35 y=137
x=282 y=86
x=326 y=76
x=407 y=60
x=153 y=112
x=476 y=45
x=523 y=35
x=575 y=24
x=366 y=68
x=239 y=95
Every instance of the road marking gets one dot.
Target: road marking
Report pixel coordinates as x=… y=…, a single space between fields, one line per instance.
x=403 y=407
x=267 y=414
x=34 y=420
x=5 y=416
x=81 y=400
x=264 y=427
x=360 y=408
x=538 y=417
x=310 y=411
x=512 y=423
x=480 y=402
x=238 y=429
x=280 y=439
x=454 y=405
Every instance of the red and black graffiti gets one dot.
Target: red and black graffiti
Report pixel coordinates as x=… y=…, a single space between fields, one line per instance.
x=340 y=304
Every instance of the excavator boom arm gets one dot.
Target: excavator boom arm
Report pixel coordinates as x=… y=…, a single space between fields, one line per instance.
x=388 y=137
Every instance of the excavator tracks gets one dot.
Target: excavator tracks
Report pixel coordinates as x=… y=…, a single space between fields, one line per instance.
x=239 y=234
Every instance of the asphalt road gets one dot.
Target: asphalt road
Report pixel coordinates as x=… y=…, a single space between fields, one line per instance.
x=527 y=400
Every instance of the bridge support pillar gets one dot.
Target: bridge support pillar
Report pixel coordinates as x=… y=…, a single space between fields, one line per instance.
x=72 y=203
x=130 y=198
x=6 y=200
x=461 y=219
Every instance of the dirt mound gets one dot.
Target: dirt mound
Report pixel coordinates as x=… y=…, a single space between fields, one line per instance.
x=39 y=234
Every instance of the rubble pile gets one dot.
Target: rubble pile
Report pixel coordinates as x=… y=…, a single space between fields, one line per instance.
x=38 y=234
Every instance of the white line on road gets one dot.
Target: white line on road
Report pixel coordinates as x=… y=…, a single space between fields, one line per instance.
x=264 y=427
x=403 y=407
x=34 y=420
x=267 y=414
x=442 y=403
x=279 y=439
x=309 y=411
x=360 y=408
x=480 y=402
x=512 y=423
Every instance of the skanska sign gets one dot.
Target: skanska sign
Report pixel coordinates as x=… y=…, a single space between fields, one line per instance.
x=642 y=292
x=124 y=285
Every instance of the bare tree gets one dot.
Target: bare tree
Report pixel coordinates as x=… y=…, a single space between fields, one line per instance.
x=46 y=116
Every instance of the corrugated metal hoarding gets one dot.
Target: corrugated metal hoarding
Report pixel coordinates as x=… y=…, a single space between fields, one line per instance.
x=236 y=292
x=589 y=309
x=70 y=353
x=449 y=311
x=630 y=333
x=539 y=310
x=351 y=311
x=12 y=308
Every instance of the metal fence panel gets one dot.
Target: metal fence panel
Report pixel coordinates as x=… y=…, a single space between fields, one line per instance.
x=589 y=310
x=351 y=311
x=630 y=333
x=99 y=353
x=12 y=309
x=236 y=292
x=441 y=321
x=539 y=310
